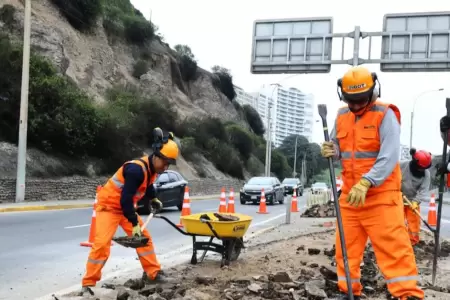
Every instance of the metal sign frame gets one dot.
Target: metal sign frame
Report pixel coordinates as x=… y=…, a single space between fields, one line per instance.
x=298 y=66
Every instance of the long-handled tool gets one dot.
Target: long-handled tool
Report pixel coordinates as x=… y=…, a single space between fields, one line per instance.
x=134 y=241
x=417 y=213
x=441 y=200
x=323 y=116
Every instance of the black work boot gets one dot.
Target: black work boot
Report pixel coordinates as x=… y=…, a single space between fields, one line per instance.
x=84 y=290
x=159 y=279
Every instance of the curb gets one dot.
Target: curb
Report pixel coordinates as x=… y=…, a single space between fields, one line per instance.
x=75 y=206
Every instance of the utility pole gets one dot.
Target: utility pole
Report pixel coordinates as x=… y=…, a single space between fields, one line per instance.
x=268 y=143
x=23 y=123
x=295 y=157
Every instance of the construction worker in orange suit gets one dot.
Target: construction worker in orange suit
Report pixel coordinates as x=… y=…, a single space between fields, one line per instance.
x=415 y=187
x=116 y=206
x=366 y=138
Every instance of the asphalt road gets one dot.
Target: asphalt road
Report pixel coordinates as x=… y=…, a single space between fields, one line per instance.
x=40 y=252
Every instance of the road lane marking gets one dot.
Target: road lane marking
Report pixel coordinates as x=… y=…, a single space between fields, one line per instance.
x=77 y=226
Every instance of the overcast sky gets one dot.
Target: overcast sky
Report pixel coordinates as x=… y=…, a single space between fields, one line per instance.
x=220 y=32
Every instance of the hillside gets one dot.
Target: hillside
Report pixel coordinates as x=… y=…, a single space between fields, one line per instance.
x=98 y=63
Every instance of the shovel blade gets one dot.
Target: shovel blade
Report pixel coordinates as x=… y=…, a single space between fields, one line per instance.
x=131 y=241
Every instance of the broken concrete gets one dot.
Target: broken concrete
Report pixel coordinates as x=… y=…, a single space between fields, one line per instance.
x=320 y=211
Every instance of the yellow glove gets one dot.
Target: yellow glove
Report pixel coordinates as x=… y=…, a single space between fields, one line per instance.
x=156 y=204
x=415 y=205
x=357 y=195
x=136 y=231
x=327 y=149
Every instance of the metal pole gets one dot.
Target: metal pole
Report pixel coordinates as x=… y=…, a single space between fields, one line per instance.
x=288 y=209
x=267 y=169
x=356 y=45
x=295 y=157
x=270 y=150
x=23 y=123
x=411 y=129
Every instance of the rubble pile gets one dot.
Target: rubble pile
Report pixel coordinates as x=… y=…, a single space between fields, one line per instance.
x=297 y=269
x=320 y=211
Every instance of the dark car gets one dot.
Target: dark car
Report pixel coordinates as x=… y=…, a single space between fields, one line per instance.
x=251 y=192
x=169 y=188
x=291 y=184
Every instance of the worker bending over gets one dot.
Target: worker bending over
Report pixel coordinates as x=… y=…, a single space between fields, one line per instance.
x=116 y=206
x=366 y=138
x=415 y=188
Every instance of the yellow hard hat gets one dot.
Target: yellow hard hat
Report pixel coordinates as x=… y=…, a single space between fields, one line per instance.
x=169 y=151
x=357 y=84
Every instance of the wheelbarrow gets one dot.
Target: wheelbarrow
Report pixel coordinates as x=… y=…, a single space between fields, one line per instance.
x=229 y=232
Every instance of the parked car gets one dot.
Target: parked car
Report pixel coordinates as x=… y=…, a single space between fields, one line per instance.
x=291 y=184
x=169 y=188
x=251 y=192
x=319 y=187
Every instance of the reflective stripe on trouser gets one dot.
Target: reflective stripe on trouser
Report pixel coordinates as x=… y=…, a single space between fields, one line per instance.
x=107 y=223
x=384 y=225
x=413 y=224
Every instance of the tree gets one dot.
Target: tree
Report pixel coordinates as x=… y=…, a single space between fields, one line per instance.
x=223 y=81
x=279 y=165
x=184 y=50
x=219 y=69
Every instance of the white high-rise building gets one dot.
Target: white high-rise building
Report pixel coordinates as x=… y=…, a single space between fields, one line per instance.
x=244 y=98
x=292 y=112
x=404 y=153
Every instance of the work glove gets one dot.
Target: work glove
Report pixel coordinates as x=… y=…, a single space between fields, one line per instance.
x=156 y=204
x=136 y=231
x=327 y=150
x=414 y=205
x=357 y=195
x=444 y=124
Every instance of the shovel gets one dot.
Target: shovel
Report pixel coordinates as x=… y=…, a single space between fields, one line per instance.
x=134 y=241
x=417 y=213
x=323 y=116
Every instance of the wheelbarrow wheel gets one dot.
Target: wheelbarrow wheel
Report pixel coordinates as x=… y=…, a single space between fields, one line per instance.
x=234 y=248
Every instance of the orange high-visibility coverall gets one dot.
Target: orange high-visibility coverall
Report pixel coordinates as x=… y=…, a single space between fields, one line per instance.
x=381 y=218
x=109 y=217
x=413 y=224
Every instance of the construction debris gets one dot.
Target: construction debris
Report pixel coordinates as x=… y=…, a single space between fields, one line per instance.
x=320 y=211
x=301 y=268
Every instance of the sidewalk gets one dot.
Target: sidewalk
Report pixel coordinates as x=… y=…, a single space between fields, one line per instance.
x=67 y=204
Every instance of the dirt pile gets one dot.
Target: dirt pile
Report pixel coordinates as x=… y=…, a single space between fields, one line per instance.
x=320 y=211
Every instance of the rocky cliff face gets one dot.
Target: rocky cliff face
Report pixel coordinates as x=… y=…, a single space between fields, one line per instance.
x=95 y=64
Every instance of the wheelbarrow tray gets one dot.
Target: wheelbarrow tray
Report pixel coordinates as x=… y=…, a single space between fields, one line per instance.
x=194 y=225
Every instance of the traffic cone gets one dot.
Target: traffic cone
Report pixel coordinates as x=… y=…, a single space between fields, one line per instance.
x=338 y=183
x=91 y=238
x=230 y=207
x=186 y=209
x=223 y=202
x=432 y=217
x=294 y=203
x=262 y=204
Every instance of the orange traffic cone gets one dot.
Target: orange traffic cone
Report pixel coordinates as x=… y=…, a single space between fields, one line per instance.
x=186 y=209
x=90 y=240
x=262 y=204
x=230 y=207
x=432 y=217
x=223 y=202
x=294 y=203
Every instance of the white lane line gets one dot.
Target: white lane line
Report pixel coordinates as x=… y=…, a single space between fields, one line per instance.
x=77 y=226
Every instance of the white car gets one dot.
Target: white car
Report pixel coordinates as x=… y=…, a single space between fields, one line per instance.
x=319 y=187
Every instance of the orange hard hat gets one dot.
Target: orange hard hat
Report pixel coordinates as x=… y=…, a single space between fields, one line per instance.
x=169 y=151
x=357 y=84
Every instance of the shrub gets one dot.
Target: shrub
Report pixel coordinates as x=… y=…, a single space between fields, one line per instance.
x=140 y=68
x=188 y=68
x=223 y=81
x=225 y=158
x=138 y=30
x=241 y=140
x=254 y=120
x=189 y=149
x=81 y=14
x=7 y=14
x=113 y=21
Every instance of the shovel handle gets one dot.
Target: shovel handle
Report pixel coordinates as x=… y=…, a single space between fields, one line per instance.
x=150 y=216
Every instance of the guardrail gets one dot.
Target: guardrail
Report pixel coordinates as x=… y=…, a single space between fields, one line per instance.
x=318 y=197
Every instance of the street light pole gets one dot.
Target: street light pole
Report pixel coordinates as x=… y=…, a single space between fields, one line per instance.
x=295 y=157
x=23 y=122
x=412 y=113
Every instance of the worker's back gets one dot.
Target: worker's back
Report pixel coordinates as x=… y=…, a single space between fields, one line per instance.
x=410 y=183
